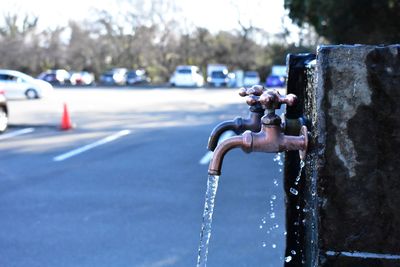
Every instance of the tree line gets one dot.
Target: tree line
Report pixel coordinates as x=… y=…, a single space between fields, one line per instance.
x=349 y=21
x=155 y=43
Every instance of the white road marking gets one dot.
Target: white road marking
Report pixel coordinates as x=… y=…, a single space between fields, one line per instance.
x=16 y=133
x=208 y=156
x=85 y=148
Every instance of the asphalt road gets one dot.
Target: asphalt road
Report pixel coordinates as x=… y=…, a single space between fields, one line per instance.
x=131 y=190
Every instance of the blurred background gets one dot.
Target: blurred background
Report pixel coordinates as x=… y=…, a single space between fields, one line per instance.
x=158 y=35
x=155 y=35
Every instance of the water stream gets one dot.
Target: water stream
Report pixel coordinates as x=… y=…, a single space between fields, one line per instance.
x=212 y=186
x=294 y=191
x=205 y=234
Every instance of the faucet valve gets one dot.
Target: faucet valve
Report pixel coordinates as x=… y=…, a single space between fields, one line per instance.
x=269 y=99
x=253 y=93
x=270 y=138
x=256 y=90
x=272 y=99
x=239 y=125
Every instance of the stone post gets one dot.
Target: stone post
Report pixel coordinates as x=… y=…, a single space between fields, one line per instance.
x=351 y=185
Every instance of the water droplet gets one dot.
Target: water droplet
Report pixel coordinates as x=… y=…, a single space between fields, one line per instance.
x=268 y=232
x=264 y=221
x=273 y=197
x=288 y=258
x=264 y=244
x=276 y=182
x=294 y=191
x=272 y=215
x=278 y=158
x=276 y=225
x=261 y=226
x=293 y=252
x=297 y=207
x=302 y=164
x=285 y=233
x=273 y=245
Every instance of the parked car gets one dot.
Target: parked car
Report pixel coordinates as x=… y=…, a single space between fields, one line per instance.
x=275 y=81
x=20 y=85
x=217 y=75
x=232 y=79
x=116 y=76
x=56 y=77
x=3 y=112
x=137 y=77
x=251 y=78
x=187 y=75
x=82 y=78
x=218 y=78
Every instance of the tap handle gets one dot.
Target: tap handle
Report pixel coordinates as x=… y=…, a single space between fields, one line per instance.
x=253 y=100
x=255 y=90
x=268 y=99
x=289 y=99
x=272 y=99
x=252 y=95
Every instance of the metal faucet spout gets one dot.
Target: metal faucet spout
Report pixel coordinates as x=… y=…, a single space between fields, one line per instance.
x=216 y=162
x=269 y=139
x=238 y=125
x=290 y=143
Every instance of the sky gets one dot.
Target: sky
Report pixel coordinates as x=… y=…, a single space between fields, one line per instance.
x=215 y=15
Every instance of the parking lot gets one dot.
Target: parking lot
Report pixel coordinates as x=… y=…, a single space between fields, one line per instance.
x=126 y=186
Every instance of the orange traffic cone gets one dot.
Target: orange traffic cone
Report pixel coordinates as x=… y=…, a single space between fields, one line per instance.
x=66 y=123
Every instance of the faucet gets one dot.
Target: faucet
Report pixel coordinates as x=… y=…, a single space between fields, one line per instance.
x=239 y=125
x=270 y=138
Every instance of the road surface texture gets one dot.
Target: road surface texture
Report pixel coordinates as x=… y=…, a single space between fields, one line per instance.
x=125 y=186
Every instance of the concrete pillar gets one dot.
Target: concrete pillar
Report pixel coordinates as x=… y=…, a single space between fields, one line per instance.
x=351 y=185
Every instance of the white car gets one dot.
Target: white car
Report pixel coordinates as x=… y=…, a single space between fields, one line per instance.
x=251 y=78
x=20 y=85
x=3 y=112
x=187 y=76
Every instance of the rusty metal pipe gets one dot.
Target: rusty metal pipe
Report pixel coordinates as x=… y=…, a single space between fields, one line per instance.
x=238 y=125
x=269 y=139
x=219 y=153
